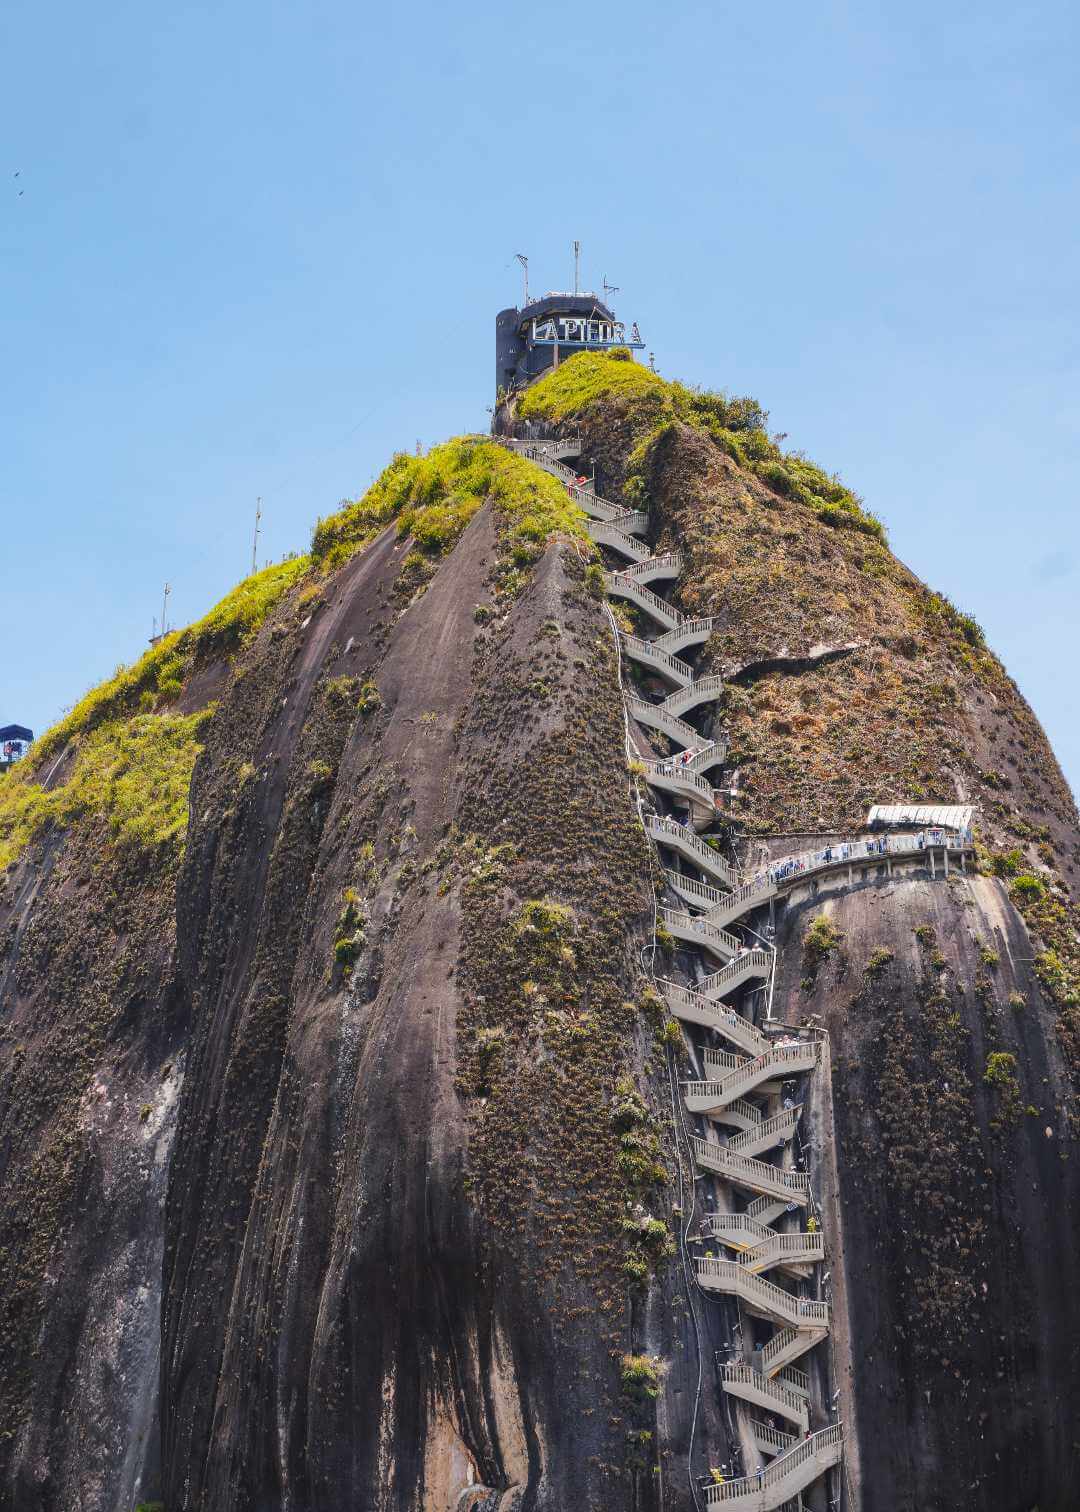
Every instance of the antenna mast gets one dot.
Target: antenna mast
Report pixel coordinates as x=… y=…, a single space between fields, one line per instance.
x=524 y=261
x=608 y=288
x=255 y=538
x=165 y=611
x=577 y=266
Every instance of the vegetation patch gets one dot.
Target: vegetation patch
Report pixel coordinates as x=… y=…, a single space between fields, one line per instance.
x=1007 y=863
x=349 y=934
x=921 y=1100
x=434 y=497
x=736 y=424
x=157 y=678
x=665 y=940
x=641 y=1377
x=879 y=961
x=1000 y=1074
x=586 y=379
x=819 y=942
x=136 y=773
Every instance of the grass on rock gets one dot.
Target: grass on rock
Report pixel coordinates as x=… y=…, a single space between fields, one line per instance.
x=135 y=772
x=434 y=497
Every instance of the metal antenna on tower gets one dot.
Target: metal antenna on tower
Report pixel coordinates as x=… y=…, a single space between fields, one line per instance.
x=524 y=261
x=165 y=611
x=255 y=538
x=608 y=288
x=577 y=265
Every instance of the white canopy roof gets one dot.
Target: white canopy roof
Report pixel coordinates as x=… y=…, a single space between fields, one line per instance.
x=922 y=815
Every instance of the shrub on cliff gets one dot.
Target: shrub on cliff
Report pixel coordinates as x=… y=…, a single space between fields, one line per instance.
x=819 y=941
x=641 y=1377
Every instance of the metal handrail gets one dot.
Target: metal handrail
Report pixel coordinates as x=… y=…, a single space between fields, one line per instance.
x=645 y=650
x=757 y=1173
x=767 y=1385
x=799 y=1312
x=725 y=1019
x=671 y=832
x=778 y=1124
x=756 y=962
x=774 y=1475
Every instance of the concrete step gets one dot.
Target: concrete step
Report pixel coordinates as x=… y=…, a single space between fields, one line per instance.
x=766 y=1209
x=745 y=967
x=786 y=1478
x=685 y=786
x=749 y=1385
x=761 y=1297
x=788 y=1345
x=647 y=654
x=681 y=838
x=688 y=632
x=787 y=1187
x=694 y=930
x=618 y=537
x=767 y=1134
x=701 y=690
x=741 y=1115
x=771 y=1441
x=793 y=1251
x=625 y=585
x=692 y=1008
x=777 y=1062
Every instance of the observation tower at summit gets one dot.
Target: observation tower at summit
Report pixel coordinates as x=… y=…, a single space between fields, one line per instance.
x=14 y=743
x=539 y=334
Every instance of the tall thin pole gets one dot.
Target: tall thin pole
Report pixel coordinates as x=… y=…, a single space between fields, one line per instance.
x=255 y=539
x=577 y=265
x=165 y=611
x=524 y=261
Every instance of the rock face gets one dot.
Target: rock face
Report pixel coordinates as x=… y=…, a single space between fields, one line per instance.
x=328 y=1146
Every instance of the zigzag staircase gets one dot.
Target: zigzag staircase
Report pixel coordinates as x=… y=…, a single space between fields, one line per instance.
x=737 y=1081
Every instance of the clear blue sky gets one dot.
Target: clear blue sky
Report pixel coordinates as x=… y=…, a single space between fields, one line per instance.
x=261 y=246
